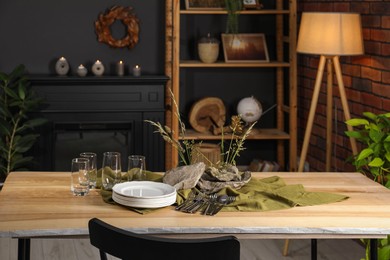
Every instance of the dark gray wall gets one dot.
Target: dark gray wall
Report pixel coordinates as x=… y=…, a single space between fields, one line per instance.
x=37 y=32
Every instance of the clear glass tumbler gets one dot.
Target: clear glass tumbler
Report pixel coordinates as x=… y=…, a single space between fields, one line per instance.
x=92 y=157
x=79 y=176
x=111 y=170
x=136 y=168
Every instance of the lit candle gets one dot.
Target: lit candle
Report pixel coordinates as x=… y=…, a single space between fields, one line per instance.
x=120 y=68
x=82 y=71
x=137 y=71
x=98 y=68
x=62 y=66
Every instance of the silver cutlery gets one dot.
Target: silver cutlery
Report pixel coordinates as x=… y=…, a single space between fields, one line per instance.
x=210 y=204
x=193 y=203
x=222 y=201
x=190 y=198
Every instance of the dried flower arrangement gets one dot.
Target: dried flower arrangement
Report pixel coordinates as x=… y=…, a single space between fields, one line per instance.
x=186 y=148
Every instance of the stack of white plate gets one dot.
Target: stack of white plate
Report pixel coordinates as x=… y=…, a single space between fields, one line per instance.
x=144 y=194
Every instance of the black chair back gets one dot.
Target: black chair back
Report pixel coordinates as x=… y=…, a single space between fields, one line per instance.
x=128 y=245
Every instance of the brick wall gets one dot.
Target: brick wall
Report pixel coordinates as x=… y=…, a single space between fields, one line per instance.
x=366 y=79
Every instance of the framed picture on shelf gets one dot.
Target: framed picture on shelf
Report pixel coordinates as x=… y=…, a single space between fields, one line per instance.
x=246 y=47
x=205 y=4
x=251 y=4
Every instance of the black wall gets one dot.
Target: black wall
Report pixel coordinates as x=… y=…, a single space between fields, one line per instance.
x=36 y=33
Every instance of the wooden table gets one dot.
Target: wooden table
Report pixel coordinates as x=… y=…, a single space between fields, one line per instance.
x=39 y=204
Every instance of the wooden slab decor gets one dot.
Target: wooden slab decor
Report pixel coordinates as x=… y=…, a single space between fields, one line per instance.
x=207 y=113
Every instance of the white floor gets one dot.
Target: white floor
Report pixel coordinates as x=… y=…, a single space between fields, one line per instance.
x=80 y=249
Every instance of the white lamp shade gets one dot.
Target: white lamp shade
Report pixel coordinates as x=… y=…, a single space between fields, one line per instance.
x=330 y=34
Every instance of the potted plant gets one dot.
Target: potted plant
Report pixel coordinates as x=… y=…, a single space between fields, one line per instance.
x=373 y=132
x=17 y=101
x=232 y=7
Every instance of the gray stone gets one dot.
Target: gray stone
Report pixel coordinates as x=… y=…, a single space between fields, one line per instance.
x=208 y=185
x=184 y=177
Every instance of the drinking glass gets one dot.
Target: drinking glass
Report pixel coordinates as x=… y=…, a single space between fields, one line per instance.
x=92 y=157
x=136 y=168
x=79 y=176
x=111 y=170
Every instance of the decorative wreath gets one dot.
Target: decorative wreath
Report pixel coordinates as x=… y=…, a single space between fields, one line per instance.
x=104 y=22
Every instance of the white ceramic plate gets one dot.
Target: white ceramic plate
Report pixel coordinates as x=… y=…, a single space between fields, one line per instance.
x=144 y=203
x=144 y=189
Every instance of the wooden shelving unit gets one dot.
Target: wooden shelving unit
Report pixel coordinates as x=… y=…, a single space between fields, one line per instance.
x=285 y=131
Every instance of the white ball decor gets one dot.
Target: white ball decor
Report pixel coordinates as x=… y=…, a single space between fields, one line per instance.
x=249 y=109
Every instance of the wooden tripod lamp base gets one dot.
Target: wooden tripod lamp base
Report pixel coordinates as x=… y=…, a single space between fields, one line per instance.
x=331 y=61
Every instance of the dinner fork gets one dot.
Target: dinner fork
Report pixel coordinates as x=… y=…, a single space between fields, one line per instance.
x=190 y=198
x=192 y=204
x=210 y=204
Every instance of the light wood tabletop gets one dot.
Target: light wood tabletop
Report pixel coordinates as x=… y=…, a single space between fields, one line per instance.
x=40 y=204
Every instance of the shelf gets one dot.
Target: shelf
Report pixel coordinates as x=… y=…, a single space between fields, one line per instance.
x=256 y=134
x=283 y=68
x=221 y=64
x=224 y=12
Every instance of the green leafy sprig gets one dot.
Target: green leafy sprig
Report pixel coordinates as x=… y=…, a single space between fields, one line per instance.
x=373 y=131
x=17 y=100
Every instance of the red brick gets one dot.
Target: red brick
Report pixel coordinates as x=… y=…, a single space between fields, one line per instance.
x=366 y=34
x=381 y=63
x=371 y=21
x=360 y=7
x=385 y=49
x=357 y=108
x=372 y=74
x=386 y=105
x=341 y=7
x=380 y=35
x=372 y=47
x=353 y=95
x=382 y=90
x=386 y=78
x=364 y=60
x=325 y=7
x=371 y=100
x=352 y=70
x=386 y=21
x=380 y=7
x=362 y=84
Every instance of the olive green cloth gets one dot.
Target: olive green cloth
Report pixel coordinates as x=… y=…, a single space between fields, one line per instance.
x=271 y=194
x=257 y=195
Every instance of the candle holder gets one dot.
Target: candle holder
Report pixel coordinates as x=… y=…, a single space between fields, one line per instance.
x=98 y=68
x=82 y=71
x=62 y=66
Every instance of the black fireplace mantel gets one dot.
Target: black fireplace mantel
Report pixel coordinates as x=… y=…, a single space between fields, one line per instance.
x=93 y=80
x=100 y=104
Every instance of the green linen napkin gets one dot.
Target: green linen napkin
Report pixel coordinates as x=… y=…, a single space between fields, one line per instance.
x=273 y=194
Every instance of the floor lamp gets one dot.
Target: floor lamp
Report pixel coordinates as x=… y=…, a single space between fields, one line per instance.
x=329 y=35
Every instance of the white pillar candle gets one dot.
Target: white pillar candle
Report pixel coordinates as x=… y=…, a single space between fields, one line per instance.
x=120 y=69
x=137 y=71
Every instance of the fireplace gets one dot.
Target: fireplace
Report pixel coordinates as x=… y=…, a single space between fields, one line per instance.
x=99 y=114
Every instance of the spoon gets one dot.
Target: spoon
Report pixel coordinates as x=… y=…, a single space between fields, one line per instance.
x=223 y=201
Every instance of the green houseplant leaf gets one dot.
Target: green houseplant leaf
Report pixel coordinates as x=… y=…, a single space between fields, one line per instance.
x=374 y=159
x=17 y=101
